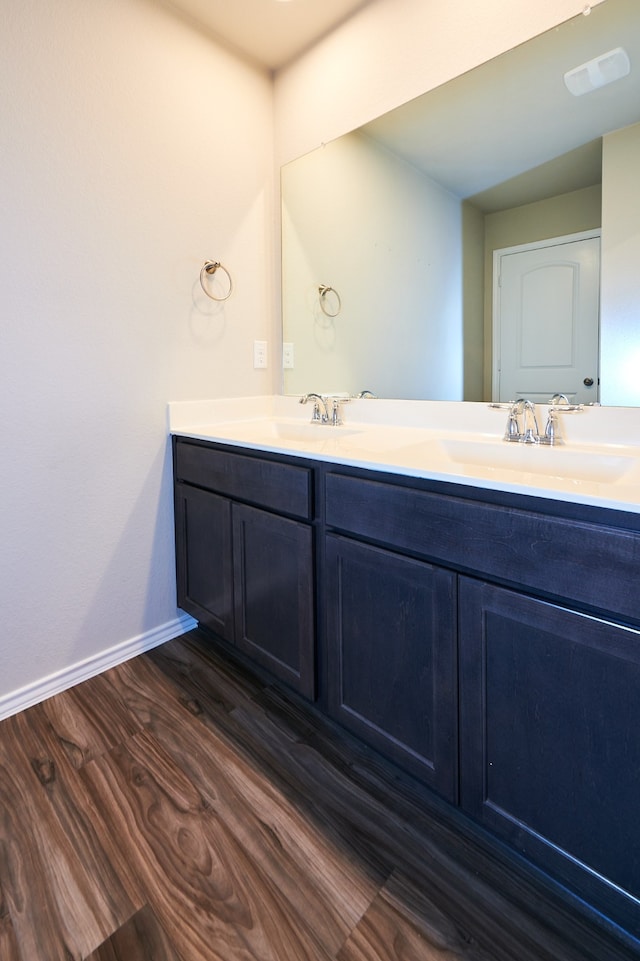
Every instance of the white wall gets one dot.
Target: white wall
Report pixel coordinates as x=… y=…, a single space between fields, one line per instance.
x=371 y=215
x=133 y=149
x=392 y=51
x=620 y=293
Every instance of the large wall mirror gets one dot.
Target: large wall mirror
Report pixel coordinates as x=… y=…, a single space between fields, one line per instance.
x=389 y=232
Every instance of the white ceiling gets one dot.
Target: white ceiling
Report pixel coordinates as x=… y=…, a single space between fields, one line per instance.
x=269 y=32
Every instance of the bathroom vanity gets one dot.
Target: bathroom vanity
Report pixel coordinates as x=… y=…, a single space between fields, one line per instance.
x=482 y=636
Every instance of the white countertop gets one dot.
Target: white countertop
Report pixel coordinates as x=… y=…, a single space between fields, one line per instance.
x=456 y=442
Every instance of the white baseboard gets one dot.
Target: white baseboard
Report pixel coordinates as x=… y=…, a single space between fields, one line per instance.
x=55 y=683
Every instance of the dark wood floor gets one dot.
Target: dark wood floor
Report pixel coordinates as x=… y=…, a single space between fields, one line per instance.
x=177 y=809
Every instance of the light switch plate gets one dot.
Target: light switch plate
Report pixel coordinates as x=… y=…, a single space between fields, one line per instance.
x=259 y=354
x=287 y=356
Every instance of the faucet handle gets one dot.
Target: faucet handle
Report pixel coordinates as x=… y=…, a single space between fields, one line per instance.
x=512 y=431
x=551 y=432
x=551 y=435
x=336 y=415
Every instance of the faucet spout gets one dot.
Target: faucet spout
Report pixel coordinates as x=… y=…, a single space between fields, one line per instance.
x=530 y=430
x=522 y=423
x=320 y=409
x=326 y=409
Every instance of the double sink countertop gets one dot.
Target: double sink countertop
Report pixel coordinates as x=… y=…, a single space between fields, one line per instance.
x=456 y=442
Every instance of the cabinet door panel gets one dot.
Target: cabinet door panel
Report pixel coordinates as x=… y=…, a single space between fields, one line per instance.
x=390 y=636
x=550 y=749
x=203 y=542
x=274 y=596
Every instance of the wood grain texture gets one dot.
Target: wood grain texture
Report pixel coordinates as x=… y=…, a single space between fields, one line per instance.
x=207 y=888
x=390 y=932
x=8 y=943
x=89 y=719
x=52 y=850
x=301 y=862
x=141 y=938
x=179 y=808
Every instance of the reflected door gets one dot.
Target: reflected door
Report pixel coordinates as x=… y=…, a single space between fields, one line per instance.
x=546 y=317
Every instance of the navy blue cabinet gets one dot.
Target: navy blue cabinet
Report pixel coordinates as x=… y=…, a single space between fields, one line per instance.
x=487 y=643
x=549 y=738
x=391 y=647
x=204 y=559
x=273 y=589
x=246 y=572
x=547 y=702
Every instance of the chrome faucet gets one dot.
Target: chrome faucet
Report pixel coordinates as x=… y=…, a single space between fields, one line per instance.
x=522 y=421
x=321 y=414
x=336 y=409
x=559 y=402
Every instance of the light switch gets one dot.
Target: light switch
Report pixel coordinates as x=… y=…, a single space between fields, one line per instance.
x=287 y=356
x=259 y=353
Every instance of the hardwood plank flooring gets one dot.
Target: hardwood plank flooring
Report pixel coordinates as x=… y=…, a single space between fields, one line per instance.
x=141 y=938
x=8 y=943
x=180 y=808
x=56 y=865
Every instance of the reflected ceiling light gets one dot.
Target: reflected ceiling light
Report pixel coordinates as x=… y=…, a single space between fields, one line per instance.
x=598 y=72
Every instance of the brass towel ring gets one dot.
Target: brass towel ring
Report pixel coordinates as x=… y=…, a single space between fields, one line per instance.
x=210 y=268
x=323 y=290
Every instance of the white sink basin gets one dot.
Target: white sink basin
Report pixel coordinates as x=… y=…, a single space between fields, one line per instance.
x=288 y=430
x=376 y=439
x=270 y=432
x=562 y=462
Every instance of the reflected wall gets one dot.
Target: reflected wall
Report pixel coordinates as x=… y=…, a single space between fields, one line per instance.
x=389 y=241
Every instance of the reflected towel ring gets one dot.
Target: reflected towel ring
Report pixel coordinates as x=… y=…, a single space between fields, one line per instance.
x=210 y=268
x=323 y=290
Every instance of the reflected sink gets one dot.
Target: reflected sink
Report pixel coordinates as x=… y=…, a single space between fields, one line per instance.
x=561 y=462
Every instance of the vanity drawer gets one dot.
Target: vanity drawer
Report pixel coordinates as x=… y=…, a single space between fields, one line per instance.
x=591 y=564
x=285 y=488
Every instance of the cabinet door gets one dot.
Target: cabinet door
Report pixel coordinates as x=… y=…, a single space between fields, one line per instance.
x=550 y=739
x=274 y=596
x=204 y=562
x=392 y=657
